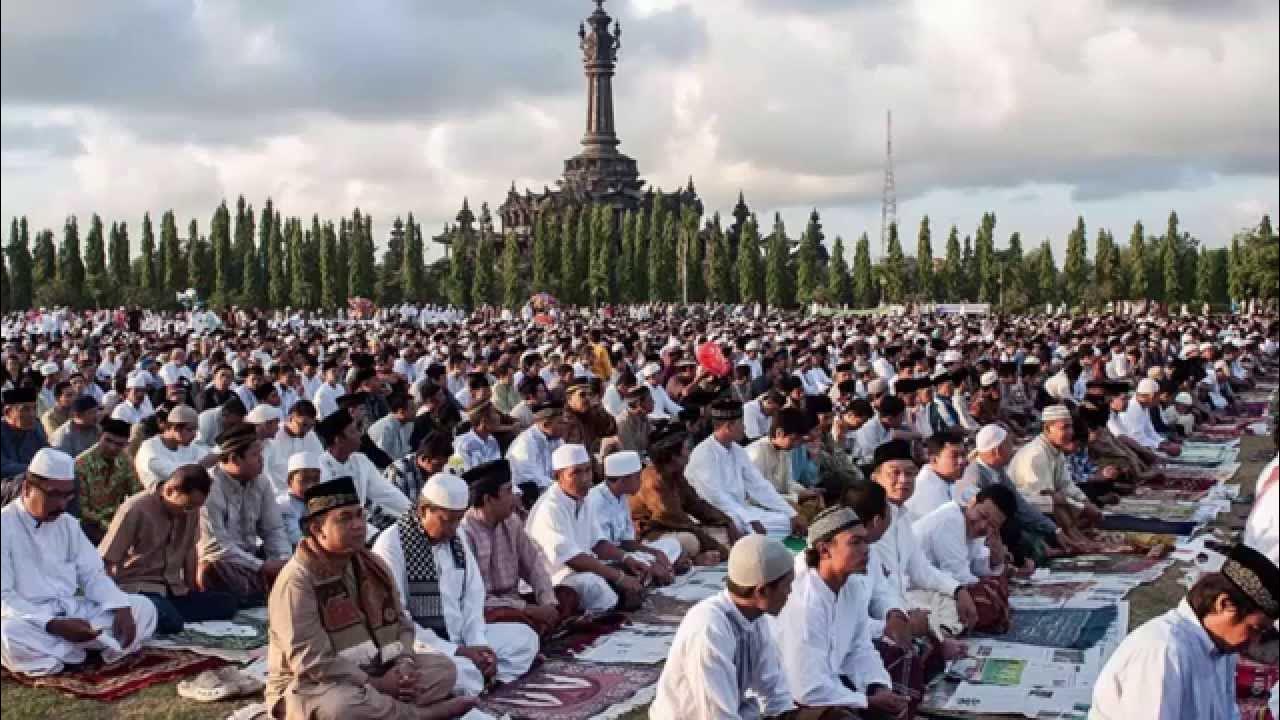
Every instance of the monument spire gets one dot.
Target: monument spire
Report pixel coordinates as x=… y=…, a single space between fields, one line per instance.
x=599 y=45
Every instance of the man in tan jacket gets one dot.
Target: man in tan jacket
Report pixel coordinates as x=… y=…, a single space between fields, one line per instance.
x=340 y=642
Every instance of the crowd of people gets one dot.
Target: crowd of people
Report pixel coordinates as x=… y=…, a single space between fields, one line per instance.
x=421 y=500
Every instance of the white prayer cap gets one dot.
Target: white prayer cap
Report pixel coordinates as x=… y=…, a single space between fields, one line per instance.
x=1220 y=365
x=136 y=382
x=53 y=464
x=169 y=375
x=650 y=370
x=1183 y=398
x=950 y=356
x=758 y=560
x=569 y=455
x=1054 y=413
x=262 y=413
x=48 y=369
x=989 y=378
x=1205 y=347
x=304 y=461
x=989 y=438
x=752 y=345
x=621 y=464
x=1058 y=386
x=1148 y=387
x=446 y=490
x=182 y=415
x=879 y=386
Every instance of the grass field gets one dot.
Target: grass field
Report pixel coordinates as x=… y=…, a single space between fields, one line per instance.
x=162 y=703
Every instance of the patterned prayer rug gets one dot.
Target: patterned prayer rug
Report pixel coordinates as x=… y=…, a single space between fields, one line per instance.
x=245 y=644
x=1104 y=564
x=1131 y=523
x=582 y=633
x=567 y=690
x=1180 y=484
x=147 y=667
x=1070 y=628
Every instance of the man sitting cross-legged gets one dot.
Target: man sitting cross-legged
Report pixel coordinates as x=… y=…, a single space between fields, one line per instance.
x=507 y=556
x=340 y=644
x=1039 y=469
x=57 y=600
x=724 y=662
x=150 y=548
x=824 y=631
x=608 y=503
x=574 y=551
x=964 y=542
x=441 y=586
x=666 y=506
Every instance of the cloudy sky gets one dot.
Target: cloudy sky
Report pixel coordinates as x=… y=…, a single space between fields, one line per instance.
x=1114 y=109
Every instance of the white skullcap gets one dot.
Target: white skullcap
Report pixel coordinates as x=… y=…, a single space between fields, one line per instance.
x=650 y=370
x=1220 y=365
x=262 y=413
x=53 y=464
x=569 y=456
x=137 y=382
x=182 y=415
x=1053 y=413
x=1183 y=398
x=49 y=368
x=879 y=386
x=169 y=375
x=448 y=491
x=1058 y=386
x=757 y=560
x=753 y=345
x=950 y=356
x=989 y=438
x=1148 y=387
x=304 y=461
x=1205 y=347
x=989 y=378
x=621 y=464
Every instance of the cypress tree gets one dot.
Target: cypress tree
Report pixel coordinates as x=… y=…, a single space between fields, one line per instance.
x=864 y=284
x=626 y=257
x=71 y=271
x=721 y=265
x=331 y=295
x=568 y=255
x=808 y=281
x=656 y=250
x=412 y=267
x=173 y=260
x=300 y=271
x=1172 y=280
x=695 y=255
x=1204 y=277
x=147 y=280
x=894 y=268
x=839 y=283
x=778 y=286
x=484 y=285
x=253 y=286
x=220 y=238
x=360 y=281
x=199 y=261
x=278 y=290
x=6 y=283
x=391 y=273
x=20 y=264
x=599 y=274
x=44 y=260
x=925 y=286
x=1105 y=264
x=460 y=264
x=1047 y=275
x=640 y=255
x=666 y=288
x=1139 y=281
x=343 y=263
x=952 y=280
x=1075 y=265
x=582 y=255
x=546 y=260
x=242 y=244
x=750 y=267
x=968 y=274
x=984 y=260
x=512 y=283
x=1015 y=281
x=95 y=262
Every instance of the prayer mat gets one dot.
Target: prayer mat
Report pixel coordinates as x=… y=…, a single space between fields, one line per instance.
x=659 y=609
x=581 y=633
x=1254 y=679
x=1180 y=484
x=240 y=646
x=1070 y=628
x=567 y=690
x=991 y=599
x=1131 y=523
x=911 y=670
x=1160 y=508
x=147 y=667
x=1136 y=543
x=1104 y=564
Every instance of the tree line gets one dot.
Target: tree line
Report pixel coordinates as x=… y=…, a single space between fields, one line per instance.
x=593 y=254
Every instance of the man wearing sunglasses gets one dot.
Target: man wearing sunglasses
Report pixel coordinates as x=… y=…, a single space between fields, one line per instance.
x=59 y=604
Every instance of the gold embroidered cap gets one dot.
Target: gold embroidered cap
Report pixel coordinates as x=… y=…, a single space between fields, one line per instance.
x=1256 y=576
x=326 y=496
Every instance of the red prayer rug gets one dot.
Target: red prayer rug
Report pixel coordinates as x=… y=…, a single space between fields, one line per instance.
x=568 y=690
x=149 y=666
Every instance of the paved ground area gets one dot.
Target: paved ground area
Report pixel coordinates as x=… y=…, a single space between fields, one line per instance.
x=162 y=703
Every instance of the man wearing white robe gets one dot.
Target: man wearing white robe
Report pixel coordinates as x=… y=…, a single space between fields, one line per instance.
x=480 y=651
x=663 y=405
x=158 y=456
x=573 y=548
x=1262 y=529
x=383 y=502
x=724 y=662
x=296 y=435
x=609 y=505
x=935 y=485
x=1182 y=665
x=824 y=631
x=1136 y=419
x=957 y=539
x=723 y=474
x=136 y=406
x=56 y=600
x=530 y=453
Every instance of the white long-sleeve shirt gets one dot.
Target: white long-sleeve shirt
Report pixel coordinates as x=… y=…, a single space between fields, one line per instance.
x=154 y=462
x=948 y=547
x=1137 y=425
x=823 y=636
x=716 y=657
x=903 y=562
x=932 y=492
x=726 y=478
x=276 y=453
x=530 y=457
x=1168 y=669
x=870 y=436
x=563 y=528
x=754 y=421
x=663 y=405
x=1262 y=530
x=374 y=490
x=326 y=399
x=461 y=592
x=44 y=565
x=475 y=450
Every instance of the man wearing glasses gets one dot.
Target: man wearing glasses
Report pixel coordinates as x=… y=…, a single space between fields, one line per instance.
x=59 y=604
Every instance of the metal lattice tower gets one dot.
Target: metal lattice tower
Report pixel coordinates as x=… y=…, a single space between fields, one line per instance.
x=889 y=197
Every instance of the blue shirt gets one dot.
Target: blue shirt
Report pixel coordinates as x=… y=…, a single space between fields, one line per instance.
x=17 y=448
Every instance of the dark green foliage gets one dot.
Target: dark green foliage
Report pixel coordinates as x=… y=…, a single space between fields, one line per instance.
x=808 y=280
x=779 y=284
x=750 y=267
x=839 y=289
x=926 y=288
x=894 y=269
